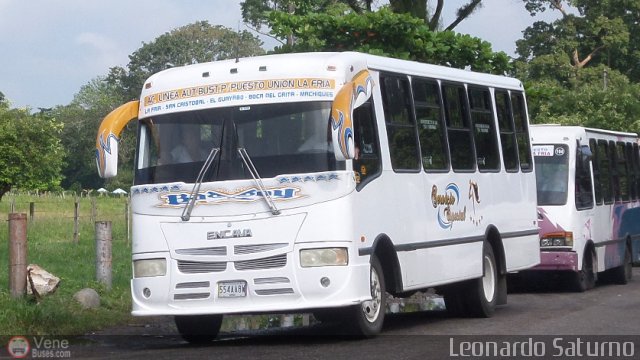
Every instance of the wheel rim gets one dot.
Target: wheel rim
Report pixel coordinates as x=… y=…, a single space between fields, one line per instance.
x=371 y=308
x=489 y=279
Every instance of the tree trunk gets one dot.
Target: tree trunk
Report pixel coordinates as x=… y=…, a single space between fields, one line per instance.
x=4 y=188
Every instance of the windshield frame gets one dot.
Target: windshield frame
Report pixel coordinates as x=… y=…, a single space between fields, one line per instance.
x=552 y=172
x=272 y=134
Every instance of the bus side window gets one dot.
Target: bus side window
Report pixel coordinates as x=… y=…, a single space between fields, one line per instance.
x=522 y=133
x=633 y=195
x=622 y=171
x=597 y=185
x=431 y=130
x=484 y=133
x=604 y=165
x=507 y=132
x=401 y=129
x=636 y=168
x=367 y=164
x=615 y=177
x=584 y=192
x=458 y=128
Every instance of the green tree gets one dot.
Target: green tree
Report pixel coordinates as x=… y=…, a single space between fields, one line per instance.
x=579 y=69
x=190 y=44
x=384 y=32
x=30 y=150
x=256 y=12
x=81 y=120
x=597 y=32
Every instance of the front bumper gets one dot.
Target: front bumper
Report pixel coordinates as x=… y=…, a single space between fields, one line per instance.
x=287 y=288
x=558 y=260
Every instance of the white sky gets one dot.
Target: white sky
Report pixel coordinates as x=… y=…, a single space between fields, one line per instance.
x=50 y=48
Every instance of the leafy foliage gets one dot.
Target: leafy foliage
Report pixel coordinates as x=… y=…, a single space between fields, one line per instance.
x=30 y=150
x=384 y=32
x=580 y=69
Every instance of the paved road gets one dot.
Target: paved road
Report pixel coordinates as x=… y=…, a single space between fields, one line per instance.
x=530 y=315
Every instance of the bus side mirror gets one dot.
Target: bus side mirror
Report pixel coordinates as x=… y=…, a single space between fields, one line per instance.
x=584 y=151
x=109 y=137
x=352 y=95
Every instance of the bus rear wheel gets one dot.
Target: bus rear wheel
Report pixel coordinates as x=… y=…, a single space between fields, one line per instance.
x=622 y=274
x=484 y=291
x=198 y=329
x=477 y=297
x=366 y=319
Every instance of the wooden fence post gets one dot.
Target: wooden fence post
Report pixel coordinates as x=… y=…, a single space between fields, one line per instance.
x=76 y=217
x=32 y=211
x=17 y=254
x=103 y=253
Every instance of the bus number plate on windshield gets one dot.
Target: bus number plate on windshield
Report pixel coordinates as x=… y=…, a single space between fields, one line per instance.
x=232 y=289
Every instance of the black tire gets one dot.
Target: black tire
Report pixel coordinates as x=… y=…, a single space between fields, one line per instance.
x=585 y=279
x=366 y=319
x=622 y=274
x=483 y=292
x=198 y=329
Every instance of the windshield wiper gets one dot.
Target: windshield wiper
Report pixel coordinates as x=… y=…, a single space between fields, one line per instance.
x=256 y=177
x=186 y=213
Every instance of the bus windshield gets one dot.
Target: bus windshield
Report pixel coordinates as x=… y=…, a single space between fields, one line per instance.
x=552 y=174
x=280 y=139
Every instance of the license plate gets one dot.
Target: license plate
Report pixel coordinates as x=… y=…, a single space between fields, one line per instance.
x=232 y=289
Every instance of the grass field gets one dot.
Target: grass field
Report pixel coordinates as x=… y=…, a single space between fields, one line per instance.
x=50 y=245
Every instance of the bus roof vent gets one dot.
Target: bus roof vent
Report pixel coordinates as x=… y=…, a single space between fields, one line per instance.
x=234 y=71
x=205 y=74
x=262 y=68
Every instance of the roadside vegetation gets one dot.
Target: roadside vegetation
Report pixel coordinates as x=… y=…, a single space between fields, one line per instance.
x=51 y=246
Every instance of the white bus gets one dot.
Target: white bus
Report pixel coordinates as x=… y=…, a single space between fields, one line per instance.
x=588 y=184
x=318 y=182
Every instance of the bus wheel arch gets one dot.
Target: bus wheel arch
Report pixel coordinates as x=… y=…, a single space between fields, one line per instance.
x=586 y=277
x=385 y=252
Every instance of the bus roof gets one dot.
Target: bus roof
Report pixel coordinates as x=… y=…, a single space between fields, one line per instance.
x=283 y=77
x=577 y=130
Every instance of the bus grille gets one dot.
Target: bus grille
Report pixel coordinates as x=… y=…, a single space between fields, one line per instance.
x=252 y=249
x=194 y=296
x=193 y=285
x=196 y=267
x=271 y=262
x=281 y=291
x=211 y=251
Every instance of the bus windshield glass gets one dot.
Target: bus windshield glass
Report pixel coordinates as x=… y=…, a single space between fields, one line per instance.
x=552 y=173
x=290 y=138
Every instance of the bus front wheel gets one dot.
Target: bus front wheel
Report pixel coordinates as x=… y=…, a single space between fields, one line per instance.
x=585 y=279
x=198 y=329
x=367 y=318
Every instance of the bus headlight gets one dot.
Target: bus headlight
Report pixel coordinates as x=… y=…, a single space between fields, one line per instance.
x=324 y=257
x=149 y=267
x=563 y=239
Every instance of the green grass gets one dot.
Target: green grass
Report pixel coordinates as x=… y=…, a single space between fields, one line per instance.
x=50 y=245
